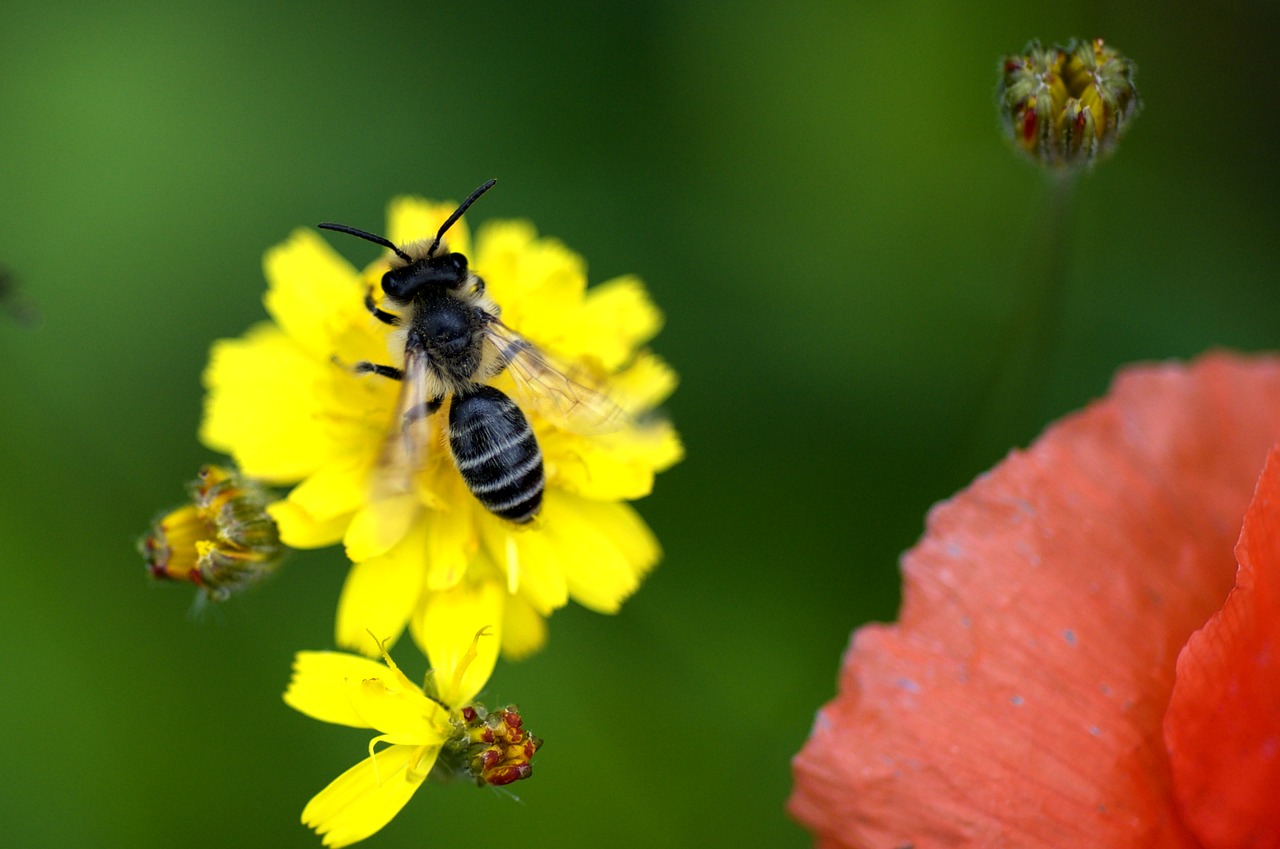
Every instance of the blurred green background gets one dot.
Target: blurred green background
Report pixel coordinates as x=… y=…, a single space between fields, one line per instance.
x=817 y=195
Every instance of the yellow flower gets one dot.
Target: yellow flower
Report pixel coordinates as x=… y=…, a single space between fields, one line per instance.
x=222 y=540
x=285 y=401
x=424 y=729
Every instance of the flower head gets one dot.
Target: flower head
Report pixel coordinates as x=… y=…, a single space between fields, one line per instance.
x=288 y=402
x=221 y=541
x=493 y=747
x=1072 y=666
x=432 y=730
x=1067 y=106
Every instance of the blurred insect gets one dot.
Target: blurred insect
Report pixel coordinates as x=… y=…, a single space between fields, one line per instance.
x=454 y=343
x=12 y=302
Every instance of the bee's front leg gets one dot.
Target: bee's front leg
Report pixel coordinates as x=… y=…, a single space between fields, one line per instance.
x=380 y=314
x=366 y=367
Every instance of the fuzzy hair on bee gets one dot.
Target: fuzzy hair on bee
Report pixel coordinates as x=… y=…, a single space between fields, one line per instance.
x=454 y=343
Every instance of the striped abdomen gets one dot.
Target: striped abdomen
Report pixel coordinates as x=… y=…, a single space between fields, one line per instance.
x=496 y=452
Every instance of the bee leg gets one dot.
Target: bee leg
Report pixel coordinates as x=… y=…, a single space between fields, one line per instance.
x=366 y=367
x=381 y=315
x=421 y=411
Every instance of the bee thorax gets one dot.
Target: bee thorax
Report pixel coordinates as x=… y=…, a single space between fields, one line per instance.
x=450 y=334
x=447 y=330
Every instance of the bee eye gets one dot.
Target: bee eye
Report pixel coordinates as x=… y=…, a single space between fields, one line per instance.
x=450 y=269
x=397 y=282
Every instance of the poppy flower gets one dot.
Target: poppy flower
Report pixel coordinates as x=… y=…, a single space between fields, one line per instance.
x=1080 y=660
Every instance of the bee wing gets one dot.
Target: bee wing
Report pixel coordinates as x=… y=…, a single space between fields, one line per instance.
x=573 y=403
x=407 y=447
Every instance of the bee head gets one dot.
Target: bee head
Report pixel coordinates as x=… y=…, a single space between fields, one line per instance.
x=431 y=268
x=448 y=270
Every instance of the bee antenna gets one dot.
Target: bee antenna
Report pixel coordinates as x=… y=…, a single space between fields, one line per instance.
x=457 y=213
x=368 y=237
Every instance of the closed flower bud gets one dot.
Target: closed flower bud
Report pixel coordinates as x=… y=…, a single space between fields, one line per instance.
x=1067 y=106
x=221 y=541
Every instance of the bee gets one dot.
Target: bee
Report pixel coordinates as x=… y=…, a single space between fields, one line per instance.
x=454 y=344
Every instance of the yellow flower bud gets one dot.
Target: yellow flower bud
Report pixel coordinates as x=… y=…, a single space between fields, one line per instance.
x=220 y=541
x=1067 y=106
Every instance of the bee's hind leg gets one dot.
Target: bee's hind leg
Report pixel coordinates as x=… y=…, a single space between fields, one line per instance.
x=426 y=408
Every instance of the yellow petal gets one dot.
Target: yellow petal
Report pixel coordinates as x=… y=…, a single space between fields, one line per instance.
x=500 y=248
x=538 y=282
x=412 y=218
x=616 y=317
x=379 y=525
x=524 y=631
x=299 y=530
x=644 y=384
x=381 y=593
x=365 y=798
x=530 y=560
x=262 y=407
x=451 y=545
x=318 y=687
x=403 y=716
x=610 y=466
x=313 y=293
x=446 y=630
x=336 y=489
x=605 y=549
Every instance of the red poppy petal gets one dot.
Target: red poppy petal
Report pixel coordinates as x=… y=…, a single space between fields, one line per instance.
x=1019 y=700
x=1223 y=724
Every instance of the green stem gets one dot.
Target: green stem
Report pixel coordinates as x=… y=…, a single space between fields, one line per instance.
x=1012 y=404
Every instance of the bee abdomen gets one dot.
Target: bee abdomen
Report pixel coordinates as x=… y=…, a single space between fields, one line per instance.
x=496 y=453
